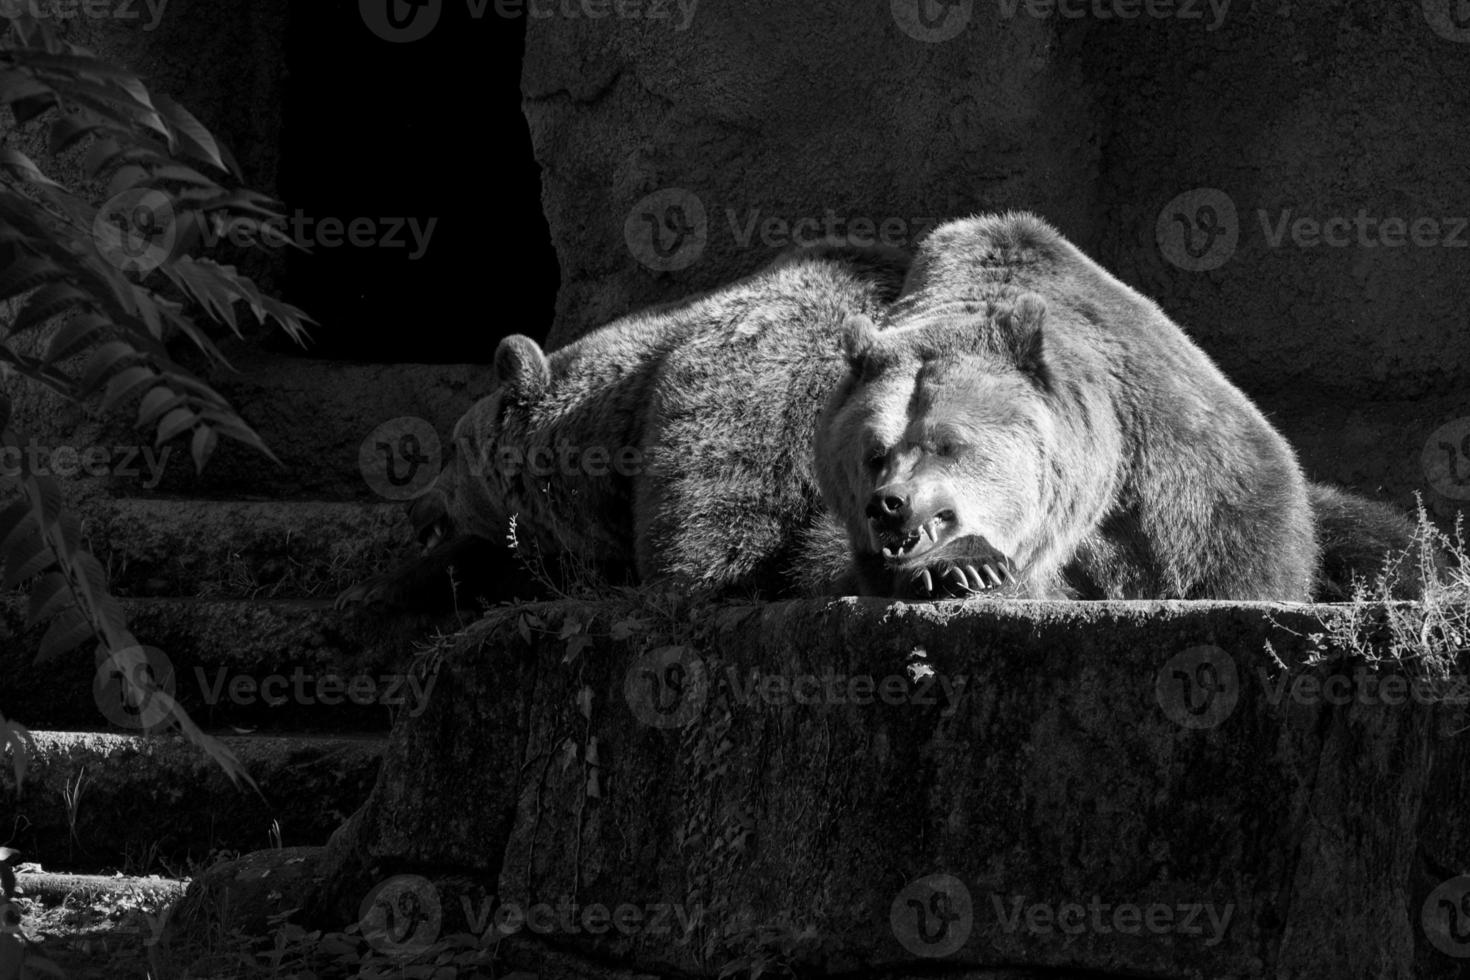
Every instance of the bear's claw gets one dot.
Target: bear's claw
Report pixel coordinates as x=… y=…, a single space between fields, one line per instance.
x=960 y=580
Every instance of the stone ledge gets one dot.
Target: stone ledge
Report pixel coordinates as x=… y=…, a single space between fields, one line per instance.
x=244 y=549
x=1069 y=767
x=212 y=643
x=143 y=798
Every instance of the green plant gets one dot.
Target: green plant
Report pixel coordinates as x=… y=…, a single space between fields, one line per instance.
x=71 y=795
x=1427 y=635
x=97 y=297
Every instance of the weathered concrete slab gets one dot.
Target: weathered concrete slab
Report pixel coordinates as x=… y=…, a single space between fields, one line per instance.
x=244 y=549
x=1133 y=788
x=52 y=889
x=142 y=799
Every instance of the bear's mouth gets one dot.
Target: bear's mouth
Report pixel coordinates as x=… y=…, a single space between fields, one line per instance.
x=897 y=546
x=937 y=560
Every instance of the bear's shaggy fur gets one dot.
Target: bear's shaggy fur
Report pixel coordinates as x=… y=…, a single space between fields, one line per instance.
x=1356 y=535
x=1028 y=424
x=678 y=438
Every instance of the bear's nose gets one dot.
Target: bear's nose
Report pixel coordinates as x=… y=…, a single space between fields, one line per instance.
x=888 y=504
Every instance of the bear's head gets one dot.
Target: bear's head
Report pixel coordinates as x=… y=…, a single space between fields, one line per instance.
x=935 y=450
x=477 y=492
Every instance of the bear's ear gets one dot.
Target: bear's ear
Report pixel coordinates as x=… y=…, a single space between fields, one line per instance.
x=521 y=367
x=859 y=335
x=1022 y=325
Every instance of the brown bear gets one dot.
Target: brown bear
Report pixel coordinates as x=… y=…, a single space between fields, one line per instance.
x=1027 y=424
x=672 y=445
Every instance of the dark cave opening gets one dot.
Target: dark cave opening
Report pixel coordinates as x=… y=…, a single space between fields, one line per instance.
x=407 y=169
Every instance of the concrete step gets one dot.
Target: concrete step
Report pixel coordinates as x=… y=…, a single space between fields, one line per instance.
x=157 y=804
x=96 y=927
x=243 y=549
x=52 y=889
x=277 y=665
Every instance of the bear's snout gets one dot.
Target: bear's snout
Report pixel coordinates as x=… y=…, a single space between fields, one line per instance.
x=907 y=519
x=889 y=504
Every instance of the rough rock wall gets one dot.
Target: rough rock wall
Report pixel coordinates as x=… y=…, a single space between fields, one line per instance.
x=736 y=127
x=1293 y=116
